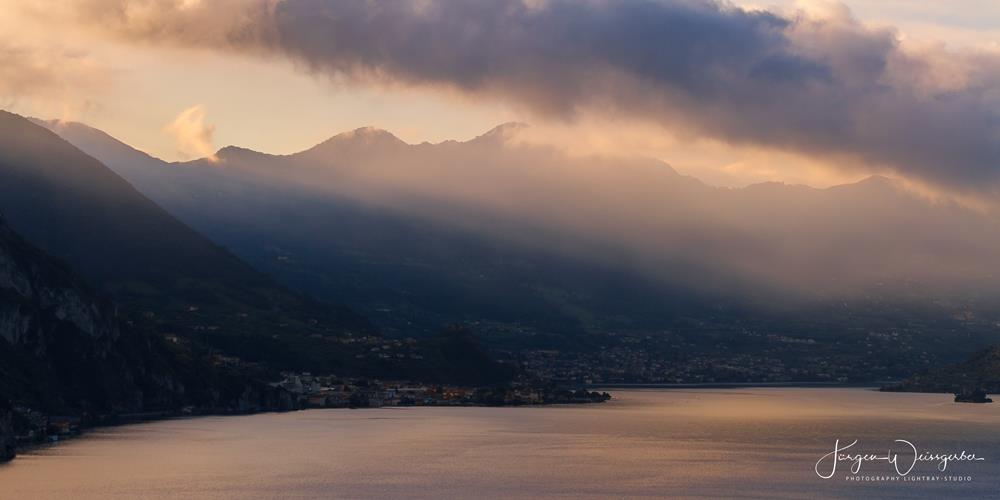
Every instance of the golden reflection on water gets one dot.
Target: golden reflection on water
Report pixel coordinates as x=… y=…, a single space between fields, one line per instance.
x=750 y=443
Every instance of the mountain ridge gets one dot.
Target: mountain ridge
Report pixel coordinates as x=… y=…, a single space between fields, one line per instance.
x=76 y=209
x=79 y=132
x=566 y=250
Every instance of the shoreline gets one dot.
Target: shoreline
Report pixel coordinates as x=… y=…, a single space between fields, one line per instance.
x=51 y=440
x=162 y=416
x=135 y=419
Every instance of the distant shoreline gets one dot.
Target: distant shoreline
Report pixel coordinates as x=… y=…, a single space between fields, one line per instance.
x=163 y=416
x=735 y=385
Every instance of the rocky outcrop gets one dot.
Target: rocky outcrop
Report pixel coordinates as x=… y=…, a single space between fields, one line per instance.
x=60 y=342
x=7 y=435
x=258 y=396
x=41 y=297
x=970 y=380
x=972 y=396
x=63 y=350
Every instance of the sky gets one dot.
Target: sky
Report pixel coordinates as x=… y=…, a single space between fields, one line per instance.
x=817 y=92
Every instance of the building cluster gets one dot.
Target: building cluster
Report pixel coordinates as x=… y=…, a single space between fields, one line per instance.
x=623 y=365
x=772 y=359
x=329 y=391
x=36 y=426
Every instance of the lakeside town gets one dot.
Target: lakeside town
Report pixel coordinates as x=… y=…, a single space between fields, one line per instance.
x=307 y=391
x=329 y=391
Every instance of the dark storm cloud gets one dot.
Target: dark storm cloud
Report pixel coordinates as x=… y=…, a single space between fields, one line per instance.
x=557 y=56
x=826 y=86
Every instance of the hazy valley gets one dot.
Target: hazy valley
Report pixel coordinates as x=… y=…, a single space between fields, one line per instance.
x=597 y=268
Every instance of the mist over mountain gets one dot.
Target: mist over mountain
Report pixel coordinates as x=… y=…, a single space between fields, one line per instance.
x=410 y=248
x=173 y=282
x=74 y=207
x=631 y=214
x=540 y=248
x=78 y=210
x=824 y=84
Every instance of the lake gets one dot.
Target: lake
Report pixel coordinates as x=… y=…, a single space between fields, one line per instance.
x=698 y=443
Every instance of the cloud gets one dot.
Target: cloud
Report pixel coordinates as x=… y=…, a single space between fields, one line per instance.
x=60 y=77
x=813 y=83
x=191 y=134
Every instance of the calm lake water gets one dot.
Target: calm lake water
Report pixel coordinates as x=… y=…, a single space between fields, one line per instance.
x=712 y=443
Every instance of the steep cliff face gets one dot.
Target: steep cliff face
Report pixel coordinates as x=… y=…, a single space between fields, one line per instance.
x=7 y=442
x=61 y=345
x=42 y=297
x=65 y=351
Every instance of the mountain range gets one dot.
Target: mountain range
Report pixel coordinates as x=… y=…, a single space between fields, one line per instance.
x=168 y=278
x=131 y=284
x=542 y=249
x=111 y=306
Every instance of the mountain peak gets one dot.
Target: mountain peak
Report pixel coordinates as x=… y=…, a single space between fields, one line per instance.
x=358 y=139
x=503 y=132
x=236 y=152
x=877 y=180
x=367 y=136
x=873 y=183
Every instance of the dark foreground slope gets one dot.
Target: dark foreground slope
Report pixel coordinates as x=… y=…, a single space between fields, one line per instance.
x=174 y=283
x=75 y=208
x=160 y=270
